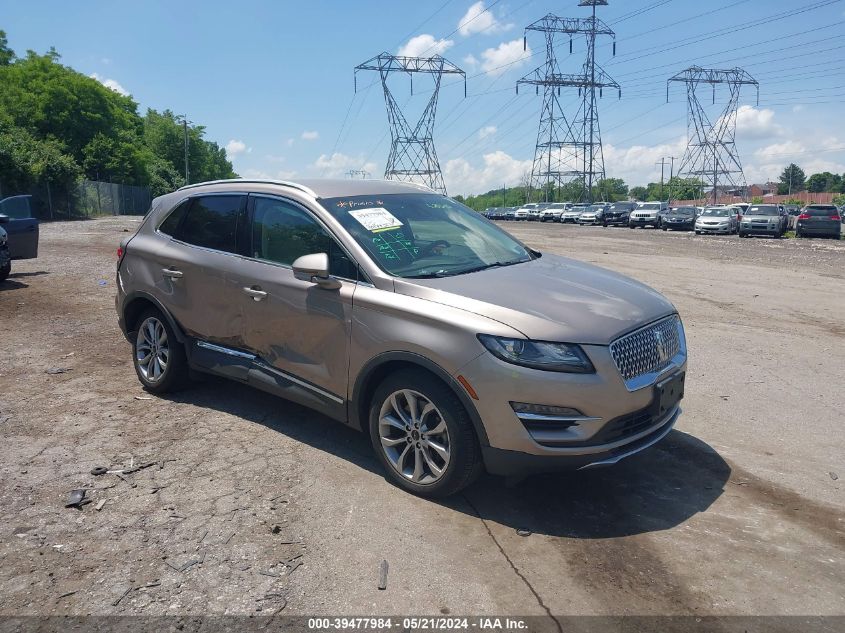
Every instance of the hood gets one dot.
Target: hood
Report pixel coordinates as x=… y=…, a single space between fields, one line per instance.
x=683 y=218
x=761 y=218
x=551 y=298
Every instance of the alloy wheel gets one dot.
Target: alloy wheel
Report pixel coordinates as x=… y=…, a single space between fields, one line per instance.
x=414 y=436
x=152 y=349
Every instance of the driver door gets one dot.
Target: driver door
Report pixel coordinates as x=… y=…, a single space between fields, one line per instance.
x=293 y=326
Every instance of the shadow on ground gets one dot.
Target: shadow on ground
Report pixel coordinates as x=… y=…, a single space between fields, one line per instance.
x=652 y=491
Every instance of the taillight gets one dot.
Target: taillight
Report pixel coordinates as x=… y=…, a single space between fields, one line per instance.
x=119 y=253
x=804 y=216
x=835 y=217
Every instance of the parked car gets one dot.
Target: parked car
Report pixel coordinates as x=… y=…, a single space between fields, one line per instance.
x=571 y=215
x=524 y=212
x=679 y=219
x=646 y=214
x=402 y=313
x=742 y=206
x=510 y=213
x=618 y=214
x=592 y=214
x=552 y=212
x=21 y=230
x=820 y=220
x=762 y=219
x=793 y=213
x=5 y=256
x=716 y=220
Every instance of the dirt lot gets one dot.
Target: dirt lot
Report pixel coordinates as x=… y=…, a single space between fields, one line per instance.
x=254 y=504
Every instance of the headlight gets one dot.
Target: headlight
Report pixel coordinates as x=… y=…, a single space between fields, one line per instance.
x=562 y=357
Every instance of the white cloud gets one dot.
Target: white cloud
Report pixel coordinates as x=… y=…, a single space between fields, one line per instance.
x=310 y=135
x=498 y=169
x=470 y=60
x=425 y=45
x=637 y=165
x=753 y=123
x=290 y=142
x=505 y=56
x=111 y=84
x=336 y=165
x=487 y=131
x=478 y=19
x=234 y=147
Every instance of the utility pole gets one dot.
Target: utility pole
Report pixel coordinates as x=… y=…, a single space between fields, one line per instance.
x=503 y=194
x=711 y=154
x=412 y=155
x=567 y=150
x=662 y=164
x=185 y=122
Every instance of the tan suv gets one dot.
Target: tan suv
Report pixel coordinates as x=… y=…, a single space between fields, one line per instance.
x=404 y=314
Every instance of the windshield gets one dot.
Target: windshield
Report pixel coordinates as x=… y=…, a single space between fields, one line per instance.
x=720 y=212
x=620 y=207
x=763 y=211
x=650 y=207
x=420 y=235
x=683 y=211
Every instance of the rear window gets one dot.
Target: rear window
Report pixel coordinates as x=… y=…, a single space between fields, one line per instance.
x=212 y=222
x=170 y=226
x=821 y=211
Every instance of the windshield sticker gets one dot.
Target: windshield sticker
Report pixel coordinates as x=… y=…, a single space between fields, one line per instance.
x=342 y=204
x=392 y=245
x=376 y=219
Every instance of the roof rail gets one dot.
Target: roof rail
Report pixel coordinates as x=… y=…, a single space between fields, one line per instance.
x=257 y=181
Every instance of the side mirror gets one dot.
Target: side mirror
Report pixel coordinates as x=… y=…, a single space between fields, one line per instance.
x=314 y=268
x=4 y=219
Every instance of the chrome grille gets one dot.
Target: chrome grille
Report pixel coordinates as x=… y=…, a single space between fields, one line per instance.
x=648 y=350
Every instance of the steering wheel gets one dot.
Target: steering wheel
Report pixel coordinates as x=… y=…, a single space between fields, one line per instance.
x=435 y=248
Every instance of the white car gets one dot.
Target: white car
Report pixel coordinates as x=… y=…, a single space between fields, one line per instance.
x=524 y=212
x=647 y=214
x=592 y=215
x=573 y=213
x=716 y=220
x=553 y=212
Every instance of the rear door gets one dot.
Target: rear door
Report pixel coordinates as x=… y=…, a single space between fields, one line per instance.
x=198 y=270
x=22 y=228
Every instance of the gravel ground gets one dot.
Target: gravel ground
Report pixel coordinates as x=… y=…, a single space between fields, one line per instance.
x=251 y=505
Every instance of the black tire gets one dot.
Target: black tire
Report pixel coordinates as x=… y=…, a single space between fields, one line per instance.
x=465 y=463
x=4 y=271
x=798 y=233
x=698 y=232
x=175 y=375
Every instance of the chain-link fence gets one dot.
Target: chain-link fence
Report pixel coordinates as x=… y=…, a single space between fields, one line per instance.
x=85 y=199
x=93 y=198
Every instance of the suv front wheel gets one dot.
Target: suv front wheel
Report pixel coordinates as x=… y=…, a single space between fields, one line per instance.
x=422 y=435
x=157 y=355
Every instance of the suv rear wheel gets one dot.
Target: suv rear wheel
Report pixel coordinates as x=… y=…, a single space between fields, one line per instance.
x=422 y=435
x=158 y=356
x=5 y=270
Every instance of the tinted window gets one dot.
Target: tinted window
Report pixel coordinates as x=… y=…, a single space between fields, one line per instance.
x=171 y=223
x=16 y=207
x=763 y=211
x=282 y=232
x=212 y=222
x=818 y=212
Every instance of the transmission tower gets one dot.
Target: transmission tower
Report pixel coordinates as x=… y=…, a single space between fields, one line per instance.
x=412 y=155
x=566 y=150
x=711 y=155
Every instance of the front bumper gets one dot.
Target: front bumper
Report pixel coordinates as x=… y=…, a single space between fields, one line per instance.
x=642 y=222
x=725 y=230
x=621 y=221
x=503 y=462
x=758 y=229
x=616 y=419
x=678 y=226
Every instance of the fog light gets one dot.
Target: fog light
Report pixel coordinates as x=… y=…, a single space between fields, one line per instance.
x=544 y=409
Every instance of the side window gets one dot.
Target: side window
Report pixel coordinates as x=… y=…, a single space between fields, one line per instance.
x=212 y=222
x=171 y=223
x=282 y=232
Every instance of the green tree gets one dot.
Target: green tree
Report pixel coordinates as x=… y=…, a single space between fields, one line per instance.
x=791 y=179
x=610 y=190
x=684 y=188
x=7 y=55
x=824 y=181
x=638 y=193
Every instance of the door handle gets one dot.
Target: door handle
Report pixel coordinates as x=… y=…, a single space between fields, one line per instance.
x=173 y=274
x=255 y=292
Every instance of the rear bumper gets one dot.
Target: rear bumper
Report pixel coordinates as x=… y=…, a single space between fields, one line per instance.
x=813 y=230
x=504 y=462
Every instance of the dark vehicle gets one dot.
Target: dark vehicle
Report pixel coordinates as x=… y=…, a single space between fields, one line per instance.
x=618 y=214
x=819 y=219
x=679 y=219
x=762 y=219
x=21 y=232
